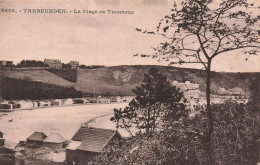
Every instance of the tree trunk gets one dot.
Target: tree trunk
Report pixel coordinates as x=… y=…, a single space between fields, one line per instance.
x=210 y=149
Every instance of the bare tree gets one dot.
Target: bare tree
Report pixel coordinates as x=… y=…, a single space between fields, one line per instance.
x=197 y=31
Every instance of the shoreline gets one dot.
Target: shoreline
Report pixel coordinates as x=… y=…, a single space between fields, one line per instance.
x=33 y=108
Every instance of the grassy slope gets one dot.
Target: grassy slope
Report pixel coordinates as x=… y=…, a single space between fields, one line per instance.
x=120 y=80
x=67 y=74
x=23 y=89
x=40 y=75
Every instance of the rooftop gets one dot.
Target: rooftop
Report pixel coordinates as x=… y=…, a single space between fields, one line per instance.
x=37 y=136
x=94 y=139
x=54 y=138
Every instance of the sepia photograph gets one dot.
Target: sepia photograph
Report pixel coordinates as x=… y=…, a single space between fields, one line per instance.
x=138 y=82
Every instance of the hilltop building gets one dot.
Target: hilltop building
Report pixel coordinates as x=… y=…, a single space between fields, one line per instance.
x=87 y=143
x=74 y=64
x=6 y=63
x=53 y=63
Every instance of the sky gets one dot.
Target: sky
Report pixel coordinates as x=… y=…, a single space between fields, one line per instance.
x=93 y=39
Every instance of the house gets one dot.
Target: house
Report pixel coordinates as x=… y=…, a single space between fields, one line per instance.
x=87 y=143
x=66 y=101
x=36 y=138
x=93 y=100
x=127 y=98
x=54 y=141
x=1 y=134
x=56 y=102
x=119 y=99
x=78 y=101
x=86 y=100
x=103 y=100
x=53 y=63
x=74 y=64
x=2 y=140
x=7 y=153
x=190 y=90
x=44 y=103
x=6 y=63
x=35 y=104
x=23 y=104
x=6 y=106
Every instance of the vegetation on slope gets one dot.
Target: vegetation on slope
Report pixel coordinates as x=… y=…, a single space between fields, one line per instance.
x=120 y=80
x=67 y=74
x=180 y=139
x=23 y=89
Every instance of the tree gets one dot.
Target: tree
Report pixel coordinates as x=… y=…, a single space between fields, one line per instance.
x=182 y=142
x=198 y=31
x=31 y=63
x=66 y=66
x=153 y=99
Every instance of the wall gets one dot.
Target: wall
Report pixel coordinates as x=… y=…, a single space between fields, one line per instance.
x=53 y=145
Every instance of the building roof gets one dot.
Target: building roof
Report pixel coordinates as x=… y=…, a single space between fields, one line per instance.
x=10 y=145
x=54 y=138
x=94 y=139
x=73 y=145
x=37 y=136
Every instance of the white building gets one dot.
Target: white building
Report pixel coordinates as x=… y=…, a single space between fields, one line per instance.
x=190 y=90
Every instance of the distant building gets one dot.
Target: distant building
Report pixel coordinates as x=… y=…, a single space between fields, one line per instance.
x=56 y=102
x=23 y=104
x=44 y=103
x=2 y=140
x=54 y=141
x=78 y=101
x=6 y=63
x=93 y=100
x=67 y=101
x=190 y=90
x=74 y=64
x=87 y=143
x=1 y=134
x=35 y=104
x=36 y=138
x=6 y=106
x=237 y=91
x=103 y=100
x=53 y=63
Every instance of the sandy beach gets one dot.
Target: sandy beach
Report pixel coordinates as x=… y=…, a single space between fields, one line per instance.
x=65 y=120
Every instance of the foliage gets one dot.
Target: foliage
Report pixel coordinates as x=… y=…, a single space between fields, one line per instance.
x=91 y=66
x=153 y=97
x=182 y=142
x=67 y=74
x=199 y=30
x=22 y=89
x=31 y=63
x=66 y=66
x=236 y=134
x=255 y=91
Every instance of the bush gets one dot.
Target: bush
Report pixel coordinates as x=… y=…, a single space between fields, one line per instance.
x=23 y=89
x=183 y=142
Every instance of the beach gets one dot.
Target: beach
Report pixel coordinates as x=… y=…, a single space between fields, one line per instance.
x=18 y=125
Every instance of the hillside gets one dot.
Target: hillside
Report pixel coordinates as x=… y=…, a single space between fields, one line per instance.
x=35 y=74
x=15 y=89
x=120 y=80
